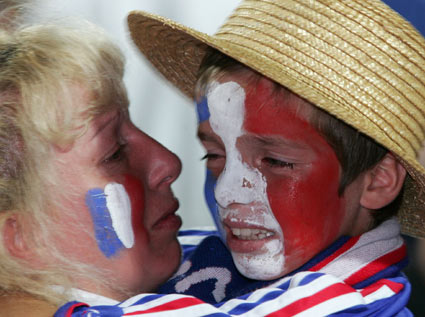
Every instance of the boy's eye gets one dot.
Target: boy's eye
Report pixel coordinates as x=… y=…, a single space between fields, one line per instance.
x=210 y=157
x=272 y=162
x=215 y=162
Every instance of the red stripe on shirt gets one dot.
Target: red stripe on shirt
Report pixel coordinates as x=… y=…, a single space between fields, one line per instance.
x=303 y=304
x=377 y=265
x=349 y=244
x=175 y=304
x=71 y=309
x=394 y=286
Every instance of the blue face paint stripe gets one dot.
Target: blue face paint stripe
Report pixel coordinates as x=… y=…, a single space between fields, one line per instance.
x=107 y=240
x=202 y=110
x=209 y=187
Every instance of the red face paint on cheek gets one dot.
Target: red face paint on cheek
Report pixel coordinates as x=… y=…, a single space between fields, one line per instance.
x=135 y=191
x=305 y=199
x=308 y=208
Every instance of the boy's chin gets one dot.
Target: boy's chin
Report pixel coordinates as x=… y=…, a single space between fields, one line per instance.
x=260 y=266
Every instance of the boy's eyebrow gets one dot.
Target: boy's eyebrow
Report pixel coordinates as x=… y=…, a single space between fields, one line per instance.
x=266 y=140
x=206 y=137
x=262 y=140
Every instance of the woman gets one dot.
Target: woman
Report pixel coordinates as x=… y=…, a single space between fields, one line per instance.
x=86 y=203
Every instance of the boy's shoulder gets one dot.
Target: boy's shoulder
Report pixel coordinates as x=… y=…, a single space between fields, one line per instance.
x=209 y=273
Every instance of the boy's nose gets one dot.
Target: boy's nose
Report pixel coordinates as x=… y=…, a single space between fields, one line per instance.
x=234 y=188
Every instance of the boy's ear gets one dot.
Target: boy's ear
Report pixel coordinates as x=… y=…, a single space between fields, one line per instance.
x=13 y=238
x=382 y=183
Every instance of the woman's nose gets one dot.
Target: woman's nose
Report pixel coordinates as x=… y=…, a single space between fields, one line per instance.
x=154 y=163
x=164 y=167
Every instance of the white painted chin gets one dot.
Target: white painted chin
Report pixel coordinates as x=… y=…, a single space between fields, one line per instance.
x=266 y=266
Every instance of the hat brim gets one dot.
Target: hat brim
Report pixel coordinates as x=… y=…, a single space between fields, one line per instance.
x=176 y=51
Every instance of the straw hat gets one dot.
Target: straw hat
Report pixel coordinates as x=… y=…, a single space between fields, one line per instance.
x=357 y=59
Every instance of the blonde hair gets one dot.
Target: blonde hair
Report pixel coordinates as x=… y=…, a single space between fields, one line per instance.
x=40 y=65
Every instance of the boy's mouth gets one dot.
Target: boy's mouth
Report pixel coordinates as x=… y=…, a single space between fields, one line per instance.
x=241 y=239
x=249 y=229
x=251 y=234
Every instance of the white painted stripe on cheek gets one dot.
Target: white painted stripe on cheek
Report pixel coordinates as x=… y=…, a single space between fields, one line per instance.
x=239 y=182
x=119 y=206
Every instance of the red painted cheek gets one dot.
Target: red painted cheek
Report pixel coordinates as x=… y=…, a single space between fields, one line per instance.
x=305 y=200
x=308 y=208
x=135 y=191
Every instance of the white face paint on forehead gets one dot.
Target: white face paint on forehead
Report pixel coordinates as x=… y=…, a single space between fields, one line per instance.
x=227 y=110
x=241 y=190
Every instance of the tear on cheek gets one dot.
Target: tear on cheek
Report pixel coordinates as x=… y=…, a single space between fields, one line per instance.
x=111 y=213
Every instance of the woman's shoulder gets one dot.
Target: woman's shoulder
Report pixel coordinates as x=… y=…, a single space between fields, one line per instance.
x=25 y=305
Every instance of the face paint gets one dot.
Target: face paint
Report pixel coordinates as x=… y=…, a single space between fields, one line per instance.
x=209 y=187
x=135 y=192
x=111 y=213
x=203 y=114
x=305 y=199
x=277 y=184
x=118 y=204
x=241 y=192
x=202 y=110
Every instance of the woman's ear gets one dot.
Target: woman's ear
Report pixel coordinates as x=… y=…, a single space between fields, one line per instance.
x=383 y=183
x=13 y=238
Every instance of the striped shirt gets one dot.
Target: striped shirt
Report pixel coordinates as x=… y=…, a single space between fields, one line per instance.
x=357 y=276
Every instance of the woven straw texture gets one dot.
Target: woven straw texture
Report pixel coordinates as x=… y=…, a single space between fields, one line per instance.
x=357 y=59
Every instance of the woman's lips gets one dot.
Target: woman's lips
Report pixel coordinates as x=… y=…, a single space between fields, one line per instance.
x=169 y=221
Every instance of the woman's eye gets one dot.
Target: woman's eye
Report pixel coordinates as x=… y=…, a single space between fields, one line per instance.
x=116 y=156
x=271 y=162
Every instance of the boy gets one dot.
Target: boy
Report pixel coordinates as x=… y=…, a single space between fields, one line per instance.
x=311 y=113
